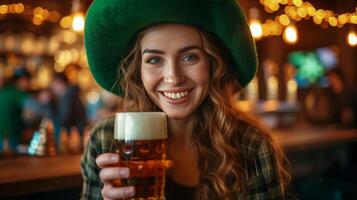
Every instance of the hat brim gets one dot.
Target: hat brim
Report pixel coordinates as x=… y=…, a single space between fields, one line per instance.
x=111 y=26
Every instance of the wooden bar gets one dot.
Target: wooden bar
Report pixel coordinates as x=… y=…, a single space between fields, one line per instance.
x=24 y=175
x=306 y=137
x=21 y=175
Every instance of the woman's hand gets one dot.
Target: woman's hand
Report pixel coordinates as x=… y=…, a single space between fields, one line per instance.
x=110 y=173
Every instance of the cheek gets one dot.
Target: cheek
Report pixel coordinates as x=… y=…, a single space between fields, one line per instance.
x=202 y=74
x=149 y=79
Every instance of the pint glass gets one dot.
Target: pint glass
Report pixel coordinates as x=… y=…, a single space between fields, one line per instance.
x=140 y=139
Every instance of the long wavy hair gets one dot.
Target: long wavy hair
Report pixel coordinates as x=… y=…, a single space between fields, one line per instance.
x=221 y=161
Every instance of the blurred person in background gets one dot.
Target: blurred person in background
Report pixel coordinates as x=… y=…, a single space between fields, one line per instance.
x=41 y=104
x=48 y=108
x=12 y=98
x=345 y=99
x=70 y=108
x=345 y=114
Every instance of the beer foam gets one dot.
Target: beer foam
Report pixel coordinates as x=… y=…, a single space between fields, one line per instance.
x=140 y=126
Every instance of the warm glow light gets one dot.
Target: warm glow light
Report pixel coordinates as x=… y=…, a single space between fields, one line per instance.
x=321 y=13
x=68 y=36
x=284 y=2
x=66 y=22
x=291 y=91
x=256 y=29
x=291 y=11
x=297 y=3
x=272 y=88
x=84 y=80
x=290 y=34
x=297 y=10
x=317 y=19
x=284 y=20
x=311 y=11
x=302 y=12
x=3 y=9
x=353 y=19
x=352 y=38
x=43 y=77
x=342 y=19
x=37 y=20
x=19 y=8
x=59 y=67
x=11 y=8
x=332 y=21
x=253 y=90
x=38 y=11
x=78 y=22
x=45 y=13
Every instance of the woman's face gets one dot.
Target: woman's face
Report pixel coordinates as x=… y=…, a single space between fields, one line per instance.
x=174 y=68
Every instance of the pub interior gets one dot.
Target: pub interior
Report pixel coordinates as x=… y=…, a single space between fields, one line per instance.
x=304 y=92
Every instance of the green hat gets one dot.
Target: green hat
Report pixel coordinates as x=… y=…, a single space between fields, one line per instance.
x=111 y=26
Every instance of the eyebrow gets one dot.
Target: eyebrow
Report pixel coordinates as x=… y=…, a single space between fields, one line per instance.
x=155 y=51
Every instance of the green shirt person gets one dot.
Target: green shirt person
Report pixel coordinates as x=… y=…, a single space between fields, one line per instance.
x=12 y=98
x=186 y=58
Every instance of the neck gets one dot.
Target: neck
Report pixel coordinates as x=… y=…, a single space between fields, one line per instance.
x=181 y=129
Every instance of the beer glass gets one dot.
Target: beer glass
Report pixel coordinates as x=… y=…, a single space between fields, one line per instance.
x=140 y=139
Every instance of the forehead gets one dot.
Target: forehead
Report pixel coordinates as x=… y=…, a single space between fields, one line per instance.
x=170 y=36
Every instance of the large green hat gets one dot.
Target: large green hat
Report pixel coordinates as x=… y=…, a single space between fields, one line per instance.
x=111 y=26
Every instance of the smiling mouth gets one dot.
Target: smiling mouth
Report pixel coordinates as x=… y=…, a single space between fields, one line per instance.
x=176 y=95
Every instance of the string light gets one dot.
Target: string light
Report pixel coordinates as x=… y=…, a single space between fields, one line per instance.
x=78 y=22
x=352 y=38
x=78 y=16
x=39 y=14
x=298 y=9
x=290 y=34
x=66 y=22
x=256 y=28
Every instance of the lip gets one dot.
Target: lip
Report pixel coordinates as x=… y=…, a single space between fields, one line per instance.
x=177 y=101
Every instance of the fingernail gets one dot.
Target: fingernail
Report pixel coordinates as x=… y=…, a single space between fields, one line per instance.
x=124 y=172
x=114 y=158
x=129 y=192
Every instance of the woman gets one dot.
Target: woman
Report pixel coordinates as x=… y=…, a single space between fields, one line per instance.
x=186 y=58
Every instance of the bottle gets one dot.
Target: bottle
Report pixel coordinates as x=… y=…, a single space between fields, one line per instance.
x=43 y=142
x=74 y=142
x=63 y=143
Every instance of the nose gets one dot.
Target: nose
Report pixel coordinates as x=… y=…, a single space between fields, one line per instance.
x=174 y=74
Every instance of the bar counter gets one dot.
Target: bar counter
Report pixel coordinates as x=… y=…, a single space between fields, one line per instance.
x=23 y=175
x=305 y=137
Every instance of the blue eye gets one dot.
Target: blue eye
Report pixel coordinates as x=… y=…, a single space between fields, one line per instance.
x=190 y=58
x=154 y=60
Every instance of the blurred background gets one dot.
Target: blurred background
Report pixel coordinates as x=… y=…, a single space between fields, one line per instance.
x=304 y=92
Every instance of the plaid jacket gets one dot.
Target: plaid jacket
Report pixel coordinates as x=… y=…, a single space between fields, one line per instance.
x=263 y=182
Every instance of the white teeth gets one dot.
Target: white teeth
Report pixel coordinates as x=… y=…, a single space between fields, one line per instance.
x=178 y=95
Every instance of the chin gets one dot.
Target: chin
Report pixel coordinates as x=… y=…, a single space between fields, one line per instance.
x=177 y=115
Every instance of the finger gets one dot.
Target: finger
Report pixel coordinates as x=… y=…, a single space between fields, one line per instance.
x=111 y=192
x=107 y=159
x=108 y=174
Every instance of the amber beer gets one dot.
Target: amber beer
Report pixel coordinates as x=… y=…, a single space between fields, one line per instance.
x=141 y=140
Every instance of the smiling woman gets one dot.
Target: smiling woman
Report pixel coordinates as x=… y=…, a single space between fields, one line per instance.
x=180 y=65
